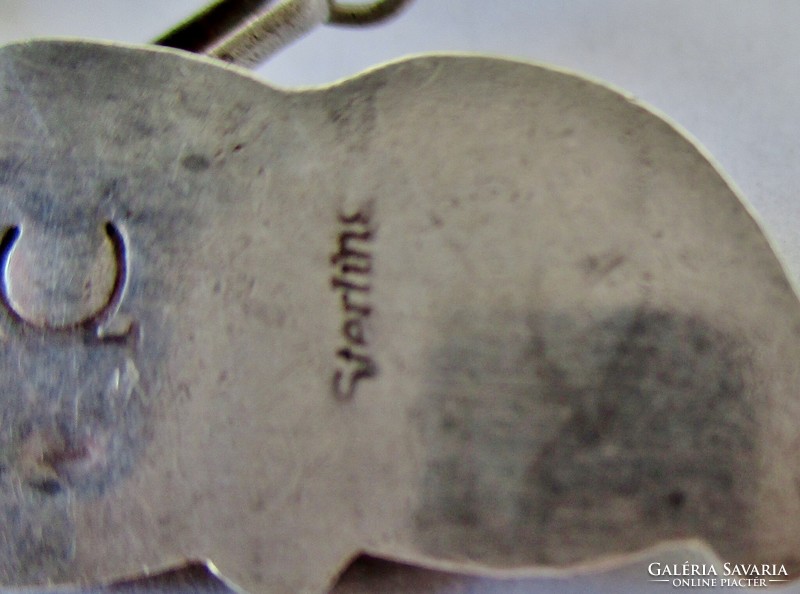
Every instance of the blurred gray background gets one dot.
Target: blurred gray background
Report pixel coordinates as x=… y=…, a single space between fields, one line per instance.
x=726 y=70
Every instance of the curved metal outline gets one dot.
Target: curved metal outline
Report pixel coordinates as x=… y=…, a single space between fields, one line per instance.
x=610 y=561
x=91 y=321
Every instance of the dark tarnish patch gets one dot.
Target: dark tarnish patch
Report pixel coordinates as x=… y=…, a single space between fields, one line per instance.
x=195 y=163
x=9 y=168
x=567 y=442
x=44 y=531
x=354 y=112
x=73 y=423
x=77 y=408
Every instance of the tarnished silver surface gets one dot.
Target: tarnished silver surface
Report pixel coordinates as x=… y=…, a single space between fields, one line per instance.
x=460 y=312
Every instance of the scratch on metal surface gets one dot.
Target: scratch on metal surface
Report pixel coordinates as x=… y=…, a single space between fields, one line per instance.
x=30 y=101
x=177 y=163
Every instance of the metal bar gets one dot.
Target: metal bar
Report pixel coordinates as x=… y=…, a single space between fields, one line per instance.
x=246 y=32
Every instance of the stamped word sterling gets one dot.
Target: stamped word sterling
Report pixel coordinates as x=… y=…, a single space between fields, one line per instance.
x=351 y=279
